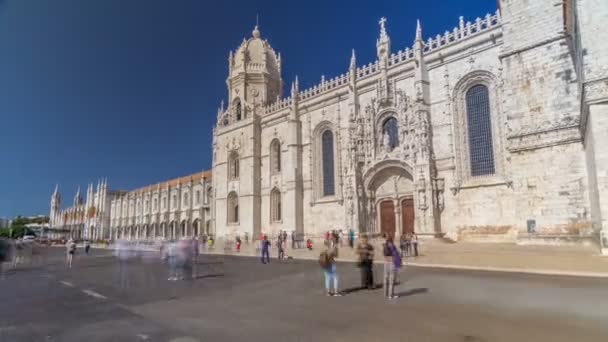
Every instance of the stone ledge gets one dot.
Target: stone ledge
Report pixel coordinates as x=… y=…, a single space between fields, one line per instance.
x=547 y=137
x=534 y=239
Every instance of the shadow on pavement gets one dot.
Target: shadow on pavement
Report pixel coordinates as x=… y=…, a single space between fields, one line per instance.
x=206 y=276
x=413 y=292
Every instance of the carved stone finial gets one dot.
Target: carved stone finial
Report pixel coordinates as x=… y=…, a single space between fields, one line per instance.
x=256 y=32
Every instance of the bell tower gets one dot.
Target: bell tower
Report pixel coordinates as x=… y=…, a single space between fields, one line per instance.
x=254 y=77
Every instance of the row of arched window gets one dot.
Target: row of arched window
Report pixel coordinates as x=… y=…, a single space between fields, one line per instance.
x=275 y=160
x=275 y=207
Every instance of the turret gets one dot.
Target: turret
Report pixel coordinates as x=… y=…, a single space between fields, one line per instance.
x=254 y=77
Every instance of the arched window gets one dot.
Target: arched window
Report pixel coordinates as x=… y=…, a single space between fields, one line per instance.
x=275 y=156
x=238 y=110
x=164 y=202
x=174 y=202
x=479 y=125
x=198 y=197
x=275 y=205
x=327 y=150
x=233 y=208
x=233 y=166
x=390 y=133
x=185 y=204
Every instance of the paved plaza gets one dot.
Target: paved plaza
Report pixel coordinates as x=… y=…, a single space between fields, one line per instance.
x=239 y=299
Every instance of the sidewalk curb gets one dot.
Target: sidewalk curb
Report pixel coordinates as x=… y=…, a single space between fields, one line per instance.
x=461 y=267
x=444 y=266
x=512 y=270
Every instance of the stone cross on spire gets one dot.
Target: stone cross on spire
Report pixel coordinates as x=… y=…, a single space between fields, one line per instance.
x=382 y=23
x=383 y=45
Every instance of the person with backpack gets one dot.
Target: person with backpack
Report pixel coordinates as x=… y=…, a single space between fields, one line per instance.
x=265 y=246
x=392 y=263
x=327 y=261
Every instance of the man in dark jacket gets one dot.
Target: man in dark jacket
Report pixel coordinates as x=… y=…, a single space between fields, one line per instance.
x=366 y=261
x=265 y=247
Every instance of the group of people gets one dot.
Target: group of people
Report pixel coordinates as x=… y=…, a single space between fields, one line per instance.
x=392 y=262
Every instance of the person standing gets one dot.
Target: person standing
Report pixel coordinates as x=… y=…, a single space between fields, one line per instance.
x=327 y=261
x=71 y=250
x=402 y=245
x=19 y=252
x=392 y=262
x=265 y=245
x=238 y=244
x=414 y=241
x=351 y=238
x=87 y=247
x=281 y=247
x=366 y=262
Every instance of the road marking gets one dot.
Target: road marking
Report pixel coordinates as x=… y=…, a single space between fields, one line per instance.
x=67 y=283
x=94 y=294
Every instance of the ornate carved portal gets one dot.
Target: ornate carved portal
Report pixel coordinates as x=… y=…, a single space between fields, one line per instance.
x=391 y=166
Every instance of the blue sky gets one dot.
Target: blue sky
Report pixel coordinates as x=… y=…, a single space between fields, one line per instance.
x=129 y=89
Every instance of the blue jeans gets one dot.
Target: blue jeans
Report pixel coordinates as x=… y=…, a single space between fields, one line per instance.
x=330 y=273
x=265 y=253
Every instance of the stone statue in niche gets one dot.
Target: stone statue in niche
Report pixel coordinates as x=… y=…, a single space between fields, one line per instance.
x=386 y=141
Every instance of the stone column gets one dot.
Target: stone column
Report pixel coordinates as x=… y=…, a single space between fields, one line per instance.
x=398 y=221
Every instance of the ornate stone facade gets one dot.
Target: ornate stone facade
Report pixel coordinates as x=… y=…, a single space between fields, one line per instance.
x=177 y=208
x=475 y=130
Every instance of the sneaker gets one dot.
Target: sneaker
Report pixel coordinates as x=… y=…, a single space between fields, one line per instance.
x=393 y=297
x=328 y=294
x=338 y=294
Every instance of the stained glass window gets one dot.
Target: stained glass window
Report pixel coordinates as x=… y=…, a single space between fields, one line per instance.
x=328 y=163
x=481 y=150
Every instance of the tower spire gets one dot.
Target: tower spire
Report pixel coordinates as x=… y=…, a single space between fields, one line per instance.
x=418 y=30
x=383 y=44
x=353 y=60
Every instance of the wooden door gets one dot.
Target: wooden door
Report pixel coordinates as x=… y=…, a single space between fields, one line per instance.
x=387 y=217
x=407 y=216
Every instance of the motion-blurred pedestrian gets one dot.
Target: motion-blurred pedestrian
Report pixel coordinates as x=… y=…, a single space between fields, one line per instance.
x=366 y=262
x=71 y=250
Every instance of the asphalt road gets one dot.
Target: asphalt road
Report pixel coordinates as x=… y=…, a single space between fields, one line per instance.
x=239 y=299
